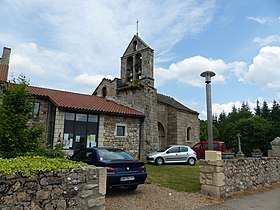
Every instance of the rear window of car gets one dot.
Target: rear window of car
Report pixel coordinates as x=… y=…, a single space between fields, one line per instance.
x=183 y=149
x=83 y=155
x=113 y=154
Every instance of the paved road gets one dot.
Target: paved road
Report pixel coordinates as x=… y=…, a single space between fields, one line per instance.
x=269 y=200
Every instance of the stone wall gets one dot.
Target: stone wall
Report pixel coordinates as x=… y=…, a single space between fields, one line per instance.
x=110 y=87
x=223 y=178
x=176 y=122
x=42 y=117
x=144 y=100
x=187 y=120
x=81 y=188
x=59 y=126
x=129 y=142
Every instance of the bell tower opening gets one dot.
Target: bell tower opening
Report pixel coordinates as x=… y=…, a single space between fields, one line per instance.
x=137 y=64
x=135 y=46
x=129 y=67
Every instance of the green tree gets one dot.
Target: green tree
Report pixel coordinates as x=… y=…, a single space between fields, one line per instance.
x=275 y=120
x=254 y=134
x=258 y=109
x=204 y=131
x=265 y=112
x=17 y=137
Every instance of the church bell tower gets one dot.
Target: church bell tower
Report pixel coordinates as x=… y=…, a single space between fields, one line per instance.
x=138 y=92
x=137 y=63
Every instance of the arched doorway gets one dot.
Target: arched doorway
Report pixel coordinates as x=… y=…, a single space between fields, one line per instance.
x=162 y=137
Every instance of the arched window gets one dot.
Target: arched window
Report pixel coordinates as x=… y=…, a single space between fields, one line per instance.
x=129 y=68
x=138 y=65
x=104 y=91
x=135 y=47
x=189 y=133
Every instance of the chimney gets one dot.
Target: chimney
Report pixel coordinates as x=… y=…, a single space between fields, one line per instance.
x=5 y=56
x=4 y=64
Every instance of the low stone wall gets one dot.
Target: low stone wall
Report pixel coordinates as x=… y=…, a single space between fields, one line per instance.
x=225 y=177
x=71 y=189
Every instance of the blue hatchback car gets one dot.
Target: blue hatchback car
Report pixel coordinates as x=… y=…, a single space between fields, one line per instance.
x=122 y=169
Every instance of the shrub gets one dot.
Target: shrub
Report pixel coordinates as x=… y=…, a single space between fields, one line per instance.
x=28 y=165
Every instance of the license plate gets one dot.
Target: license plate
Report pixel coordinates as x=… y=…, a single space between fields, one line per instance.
x=127 y=178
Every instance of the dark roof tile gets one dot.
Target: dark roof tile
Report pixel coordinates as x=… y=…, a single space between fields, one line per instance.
x=172 y=102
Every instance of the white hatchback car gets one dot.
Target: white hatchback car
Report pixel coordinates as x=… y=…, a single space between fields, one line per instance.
x=173 y=154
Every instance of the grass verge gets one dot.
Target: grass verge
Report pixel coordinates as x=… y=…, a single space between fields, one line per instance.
x=183 y=177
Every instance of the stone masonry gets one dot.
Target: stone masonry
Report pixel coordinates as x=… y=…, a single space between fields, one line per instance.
x=129 y=142
x=81 y=188
x=166 y=120
x=223 y=178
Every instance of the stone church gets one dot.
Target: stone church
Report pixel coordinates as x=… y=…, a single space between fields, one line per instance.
x=166 y=120
x=126 y=112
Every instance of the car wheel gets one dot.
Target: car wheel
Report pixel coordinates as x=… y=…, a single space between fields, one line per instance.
x=191 y=161
x=132 y=187
x=159 y=161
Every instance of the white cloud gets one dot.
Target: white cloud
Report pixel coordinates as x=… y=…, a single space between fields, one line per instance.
x=227 y=108
x=263 y=20
x=217 y=108
x=273 y=39
x=91 y=80
x=264 y=71
x=88 y=37
x=28 y=59
x=188 y=71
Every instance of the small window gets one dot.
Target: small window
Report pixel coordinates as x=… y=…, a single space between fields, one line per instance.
x=189 y=134
x=206 y=146
x=174 y=150
x=104 y=92
x=135 y=46
x=81 y=117
x=92 y=118
x=120 y=130
x=69 y=116
x=183 y=149
x=198 y=146
x=36 y=109
x=215 y=146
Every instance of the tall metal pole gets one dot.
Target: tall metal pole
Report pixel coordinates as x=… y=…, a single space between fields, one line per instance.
x=208 y=75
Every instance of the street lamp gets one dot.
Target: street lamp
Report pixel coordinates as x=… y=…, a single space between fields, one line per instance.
x=208 y=75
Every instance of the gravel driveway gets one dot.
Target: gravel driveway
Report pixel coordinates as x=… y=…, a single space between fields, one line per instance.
x=152 y=197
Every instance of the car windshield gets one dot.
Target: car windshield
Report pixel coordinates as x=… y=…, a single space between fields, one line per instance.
x=113 y=154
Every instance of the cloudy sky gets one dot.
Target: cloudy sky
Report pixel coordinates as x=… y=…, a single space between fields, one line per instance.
x=72 y=44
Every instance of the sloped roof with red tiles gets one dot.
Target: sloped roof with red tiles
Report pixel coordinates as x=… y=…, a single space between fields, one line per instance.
x=77 y=101
x=4 y=72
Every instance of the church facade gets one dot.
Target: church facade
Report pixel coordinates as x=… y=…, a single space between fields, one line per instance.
x=166 y=120
x=126 y=112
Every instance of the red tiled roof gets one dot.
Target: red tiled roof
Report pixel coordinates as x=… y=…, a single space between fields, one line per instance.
x=4 y=72
x=70 y=100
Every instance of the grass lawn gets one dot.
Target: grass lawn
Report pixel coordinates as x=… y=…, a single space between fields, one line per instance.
x=177 y=177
